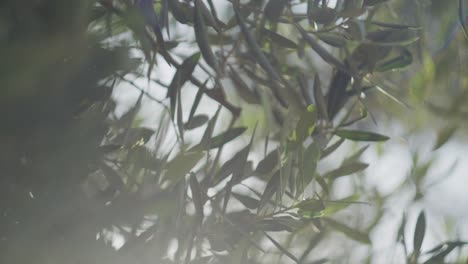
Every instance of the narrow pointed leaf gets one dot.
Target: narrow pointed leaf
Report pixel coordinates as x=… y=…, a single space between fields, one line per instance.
x=271 y=188
x=197 y=196
x=280 y=40
x=269 y=163
x=226 y=136
x=196 y=121
x=403 y=60
x=356 y=135
x=419 y=232
x=183 y=73
x=346 y=169
x=320 y=99
x=348 y=231
x=247 y=201
x=201 y=36
x=178 y=167
x=256 y=50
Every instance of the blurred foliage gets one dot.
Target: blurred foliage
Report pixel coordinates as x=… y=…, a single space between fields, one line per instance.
x=297 y=79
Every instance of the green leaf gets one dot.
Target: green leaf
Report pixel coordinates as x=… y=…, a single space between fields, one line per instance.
x=247 y=201
x=356 y=155
x=356 y=135
x=392 y=37
x=201 y=36
x=419 y=232
x=243 y=89
x=272 y=187
x=182 y=12
x=180 y=121
x=338 y=205
x=321 y=51
x=346 y=169
x=401 y=61
x=257 y=52
x=442 y=250
x=280 y=40
x=444 y=136
x=183 y=73
x=106 y=149
x=196 y=121
x=321 y=15
x=178 y=167
x=401 y=231
x=226 y=136
x=197 y=99
x=281 y=248
x=374 y=2
x=348 y=231
x=320 y=99
x=306 y=124
x=310 y=158
x=461 y=17
x=274 y=9
x=332 y=148
x=332 y=39
x=310 y=205
x=197 y=196
x=269 y=163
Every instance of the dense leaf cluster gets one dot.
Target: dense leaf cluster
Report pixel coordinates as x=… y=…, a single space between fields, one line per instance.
x=75 y=175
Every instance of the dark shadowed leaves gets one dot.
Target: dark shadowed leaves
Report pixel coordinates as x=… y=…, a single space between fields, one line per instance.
x=247 y=201
x=279 y=39
x=256 y=50
x=201 y=36
x=184 y=72
x=274 y=9
x=269 y=163
x=196 y=121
